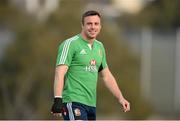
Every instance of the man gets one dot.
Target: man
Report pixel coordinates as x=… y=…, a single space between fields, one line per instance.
x=79 y=61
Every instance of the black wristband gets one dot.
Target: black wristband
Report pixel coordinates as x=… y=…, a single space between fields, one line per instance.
x=57 y=106
x=57 y=100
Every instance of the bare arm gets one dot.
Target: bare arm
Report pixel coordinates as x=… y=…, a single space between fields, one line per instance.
x=58 y=87
x=111 y=84
x=59 y=80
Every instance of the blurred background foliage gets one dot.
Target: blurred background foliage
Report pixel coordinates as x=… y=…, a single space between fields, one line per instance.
x=27 y=67
x=158 y=14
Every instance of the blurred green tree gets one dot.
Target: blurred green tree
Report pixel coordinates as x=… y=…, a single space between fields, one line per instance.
x=161 y=14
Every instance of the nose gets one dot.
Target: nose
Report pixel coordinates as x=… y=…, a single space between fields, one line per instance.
x=93 y=26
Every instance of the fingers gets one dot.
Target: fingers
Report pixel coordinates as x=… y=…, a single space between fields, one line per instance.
x=126 y=107
x=56 y=114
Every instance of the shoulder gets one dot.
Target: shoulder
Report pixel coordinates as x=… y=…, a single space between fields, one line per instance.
x=70 y=41
x=99 y=43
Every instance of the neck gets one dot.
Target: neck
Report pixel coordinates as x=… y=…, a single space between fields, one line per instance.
x=89 y=40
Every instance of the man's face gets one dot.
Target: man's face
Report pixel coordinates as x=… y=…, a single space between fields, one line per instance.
x=92 y=26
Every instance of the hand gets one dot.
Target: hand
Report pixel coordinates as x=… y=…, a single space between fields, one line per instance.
x=57 y=106
x=125 y=104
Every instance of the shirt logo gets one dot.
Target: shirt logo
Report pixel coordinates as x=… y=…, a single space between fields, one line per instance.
x=77 y=112
x=93 y=62
x=100 y=52
x=92 y=67
x=83 y=52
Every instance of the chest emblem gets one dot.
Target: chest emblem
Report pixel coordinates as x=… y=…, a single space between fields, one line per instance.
x=100 y=52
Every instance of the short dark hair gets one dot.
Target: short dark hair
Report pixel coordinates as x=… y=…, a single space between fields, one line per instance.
x=90 y=13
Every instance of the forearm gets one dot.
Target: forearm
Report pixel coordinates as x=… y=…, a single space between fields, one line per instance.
x=58 y=85
x=59 y=80
x=111 y=84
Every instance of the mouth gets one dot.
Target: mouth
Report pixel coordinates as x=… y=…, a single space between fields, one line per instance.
x=92 y=32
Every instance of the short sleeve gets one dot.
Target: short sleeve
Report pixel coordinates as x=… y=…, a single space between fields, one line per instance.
x=104 y=62
x=65 y=53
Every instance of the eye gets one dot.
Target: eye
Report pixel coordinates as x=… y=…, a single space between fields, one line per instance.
x=97 y=23
x=89 y=23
